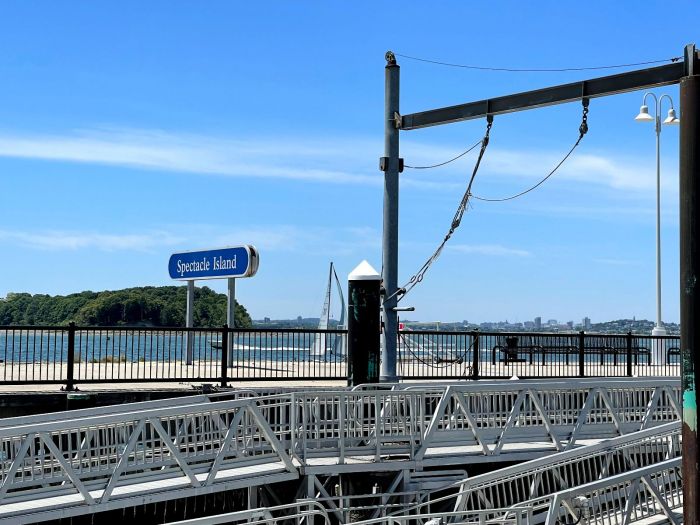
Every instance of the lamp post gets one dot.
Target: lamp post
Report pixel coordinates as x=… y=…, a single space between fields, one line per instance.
x=644 y=116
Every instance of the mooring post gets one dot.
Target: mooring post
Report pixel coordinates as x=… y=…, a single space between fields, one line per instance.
x=189 y=323
x=363 y=325
x=224 y=355
x=475 y=354
x=390 y=234
x=689 y=190
x=70 y=363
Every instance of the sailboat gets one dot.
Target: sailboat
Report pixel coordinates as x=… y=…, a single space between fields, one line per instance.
x=330 y=346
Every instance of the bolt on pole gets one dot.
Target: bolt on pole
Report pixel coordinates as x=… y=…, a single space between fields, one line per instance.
x=390 y=235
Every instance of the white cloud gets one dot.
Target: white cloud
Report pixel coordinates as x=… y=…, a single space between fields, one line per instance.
x=603 y=169
x=63 y=240
x=152 y=149
x=340 y=160
x=272 y=238
x=489 y=249
x=616 y=262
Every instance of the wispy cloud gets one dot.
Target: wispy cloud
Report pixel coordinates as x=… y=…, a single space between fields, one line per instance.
x=489 y=249
x=73 y=240
x=603 y=169
x=317 y=159
x=616 y=262
x=272 y=238
x=152 y=149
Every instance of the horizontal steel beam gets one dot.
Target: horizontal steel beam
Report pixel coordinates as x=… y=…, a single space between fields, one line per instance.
x=597 y=87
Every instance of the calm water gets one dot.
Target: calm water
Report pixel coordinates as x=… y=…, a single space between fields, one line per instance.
x=28 y=347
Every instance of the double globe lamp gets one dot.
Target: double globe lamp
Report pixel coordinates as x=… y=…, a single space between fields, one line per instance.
x=671 y=119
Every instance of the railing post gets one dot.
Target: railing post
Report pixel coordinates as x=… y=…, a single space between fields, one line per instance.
x=70 y=368
x=475 y=355
x=629 y=354
x=224 y=356
x=581 y=354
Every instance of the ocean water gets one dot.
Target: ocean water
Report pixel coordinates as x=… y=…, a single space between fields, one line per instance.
x=27 y=346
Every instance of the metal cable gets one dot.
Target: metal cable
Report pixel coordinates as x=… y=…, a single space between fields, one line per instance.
x=437 y=364
x=538 y=70
x=583 y=129
x=456 y=221
x=443 y=163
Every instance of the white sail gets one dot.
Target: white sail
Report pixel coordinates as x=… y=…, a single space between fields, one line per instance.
x=319 y=347
x=339 y=341
x=326 y=345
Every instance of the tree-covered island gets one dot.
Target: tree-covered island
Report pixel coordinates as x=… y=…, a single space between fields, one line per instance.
x=142 y=306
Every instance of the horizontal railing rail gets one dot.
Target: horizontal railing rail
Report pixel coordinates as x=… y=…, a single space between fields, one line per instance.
x=649 y=494
x=71 y=355
x=476 y=354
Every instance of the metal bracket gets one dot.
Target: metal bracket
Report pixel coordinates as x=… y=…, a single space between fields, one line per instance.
x=404 y=309
x=384 y=164
x=397 y=120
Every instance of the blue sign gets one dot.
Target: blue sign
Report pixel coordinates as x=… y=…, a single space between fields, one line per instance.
x=222 y=263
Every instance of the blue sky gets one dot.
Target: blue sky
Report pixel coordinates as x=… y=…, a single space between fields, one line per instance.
x=132 y=130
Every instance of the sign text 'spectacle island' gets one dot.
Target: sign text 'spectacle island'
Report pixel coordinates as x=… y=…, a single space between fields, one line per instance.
x=236 y=261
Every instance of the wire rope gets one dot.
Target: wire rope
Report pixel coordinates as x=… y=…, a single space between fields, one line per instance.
x=456 y=221
x=538 y=70
x=583 y=129
x=443 y=163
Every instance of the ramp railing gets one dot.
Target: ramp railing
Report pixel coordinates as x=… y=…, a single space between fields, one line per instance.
x=639 y=495
x=534 y=483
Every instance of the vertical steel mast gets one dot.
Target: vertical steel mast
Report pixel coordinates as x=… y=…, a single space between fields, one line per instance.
x=390 y=235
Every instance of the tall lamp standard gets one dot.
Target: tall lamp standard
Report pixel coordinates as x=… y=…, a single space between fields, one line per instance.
x=644 y=116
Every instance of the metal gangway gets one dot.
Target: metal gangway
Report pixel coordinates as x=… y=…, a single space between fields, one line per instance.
x=627 y=478
x=619 y=481
x=87 y=461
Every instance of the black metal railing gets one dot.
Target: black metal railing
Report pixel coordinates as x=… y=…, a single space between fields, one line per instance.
x=70 y=355
x=476 y=354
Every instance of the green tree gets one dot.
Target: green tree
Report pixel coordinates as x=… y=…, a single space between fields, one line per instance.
x=150 y=306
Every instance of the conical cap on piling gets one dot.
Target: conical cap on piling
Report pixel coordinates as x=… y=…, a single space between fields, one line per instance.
x=364 y=272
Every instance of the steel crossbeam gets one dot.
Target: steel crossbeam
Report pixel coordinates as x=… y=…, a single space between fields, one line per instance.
x=63 y=465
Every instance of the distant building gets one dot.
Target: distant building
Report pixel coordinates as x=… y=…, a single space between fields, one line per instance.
x=553 y=322
x=538 y=323
x=529 y=324
x=266 y=320
x=570 y=325
x=586 y=323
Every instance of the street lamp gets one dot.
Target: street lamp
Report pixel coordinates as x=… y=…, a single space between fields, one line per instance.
x=644 y=116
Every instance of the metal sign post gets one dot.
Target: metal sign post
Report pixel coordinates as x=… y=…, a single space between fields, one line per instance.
x=230 y=312
x=189 y=322
x=221 y=263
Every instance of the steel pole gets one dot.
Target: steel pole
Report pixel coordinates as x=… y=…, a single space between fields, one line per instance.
x=231 y=311
x=659 y=329
x=189 y=323
x=690 y=288
x=390 y=235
